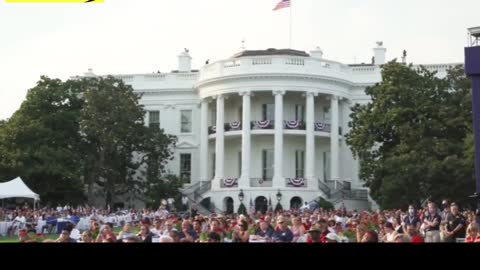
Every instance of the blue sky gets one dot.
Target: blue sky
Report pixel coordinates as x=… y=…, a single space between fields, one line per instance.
x=125 y=36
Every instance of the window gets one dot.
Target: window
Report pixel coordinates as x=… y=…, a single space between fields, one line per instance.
x=213 y=165
x=214 y=117
x=186 y=167
x=240 y=163
x=299 y=164
x=326 y=114
x=267 y=164
x=326 y=165
x=299 y=113
x=186 y=121
x=154 y=119
x=268 y=112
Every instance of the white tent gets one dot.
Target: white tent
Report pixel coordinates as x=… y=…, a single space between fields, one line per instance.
x=17 y=189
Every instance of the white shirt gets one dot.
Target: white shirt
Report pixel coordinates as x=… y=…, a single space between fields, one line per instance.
x=21 y=219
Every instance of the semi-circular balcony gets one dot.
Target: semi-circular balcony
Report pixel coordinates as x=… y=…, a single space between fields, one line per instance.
x=267 y=127
x=275 y=64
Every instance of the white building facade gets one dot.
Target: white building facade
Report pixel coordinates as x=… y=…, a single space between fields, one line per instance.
x=268 y=125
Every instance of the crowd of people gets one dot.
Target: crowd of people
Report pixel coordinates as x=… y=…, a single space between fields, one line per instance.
x=430 y=224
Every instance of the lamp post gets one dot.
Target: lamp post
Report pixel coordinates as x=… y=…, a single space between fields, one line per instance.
x=279 y=196
x=472 y=70
x=241 y=196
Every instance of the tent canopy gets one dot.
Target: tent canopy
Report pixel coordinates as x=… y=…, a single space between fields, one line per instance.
x=17 y=189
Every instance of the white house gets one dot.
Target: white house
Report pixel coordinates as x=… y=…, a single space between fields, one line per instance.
x=265 y=124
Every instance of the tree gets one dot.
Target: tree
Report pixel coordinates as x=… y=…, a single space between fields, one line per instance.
x=119 y=145
x=242 y=209
x=164 y=188
x=412 y=137
x=85 y=131
x=40 y=142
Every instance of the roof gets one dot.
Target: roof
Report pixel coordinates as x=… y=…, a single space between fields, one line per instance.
x=271 y=51
x=17 y=189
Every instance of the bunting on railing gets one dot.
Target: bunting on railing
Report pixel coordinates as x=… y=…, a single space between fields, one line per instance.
x=235 y=125
x=230 y=182
x=263 y=124
x=296 y=182
x=292 y=124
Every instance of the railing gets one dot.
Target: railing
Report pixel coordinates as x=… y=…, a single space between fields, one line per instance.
x=295 y=61
x=270 y=124
x=296 y=182
x=233 y=126
x=155 y=77
x=262 y=61
x=323 y=127
x=323 y=187
x=260 y=182
x=229 y=183
x=294 y=125
x=212 y=130
x=265 y=124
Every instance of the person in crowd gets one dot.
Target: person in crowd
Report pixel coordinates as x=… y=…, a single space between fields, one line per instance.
x=414 y=235
x=282 y=233
x=125 y=233
x=240 y=232
x=187 y=235
x=145 y=236
x=297 y=228
x=213 y=237
x=473 y=233
x=431 y=223
x=456 y=225
x=86 y=237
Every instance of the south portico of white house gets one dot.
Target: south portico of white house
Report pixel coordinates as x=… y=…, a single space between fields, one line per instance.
x=264 y=124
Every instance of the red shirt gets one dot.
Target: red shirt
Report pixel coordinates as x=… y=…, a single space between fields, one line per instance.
x=472 y=240
x=417 y=239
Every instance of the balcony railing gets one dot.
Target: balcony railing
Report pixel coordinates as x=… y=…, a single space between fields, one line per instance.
x=294 y=125
x=264 y=124
x=296 y=182
x=233 y=126
x=260 y=182
x=270 y=124
x=229 y=183
x=323 y=127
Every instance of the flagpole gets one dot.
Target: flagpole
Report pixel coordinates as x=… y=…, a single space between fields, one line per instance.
x=290 y=38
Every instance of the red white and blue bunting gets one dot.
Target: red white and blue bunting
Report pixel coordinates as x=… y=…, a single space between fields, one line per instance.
x=263 y=124
x=296 y=182
x=230 y=182
x=235 y=125
x=322 y=127
x=292 y=124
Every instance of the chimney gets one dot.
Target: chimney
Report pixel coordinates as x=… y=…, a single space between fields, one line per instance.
x=184 y=61
x=380 y=53
x=89 y=73
x=404 y=57
x=317 y=53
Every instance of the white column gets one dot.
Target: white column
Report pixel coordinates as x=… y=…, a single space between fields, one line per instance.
x=204 y=141
x=278 y=179
x=310 y=137
x=334 y=140
x=220 y=141
x=246 y=140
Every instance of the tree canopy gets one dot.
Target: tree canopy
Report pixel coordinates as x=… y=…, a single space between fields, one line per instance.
x=414 y=139
x=85 y=132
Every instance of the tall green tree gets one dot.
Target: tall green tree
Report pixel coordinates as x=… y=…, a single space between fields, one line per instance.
x=119 y=145
x=83 y=132
x=412 y=137
x=40 y=142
